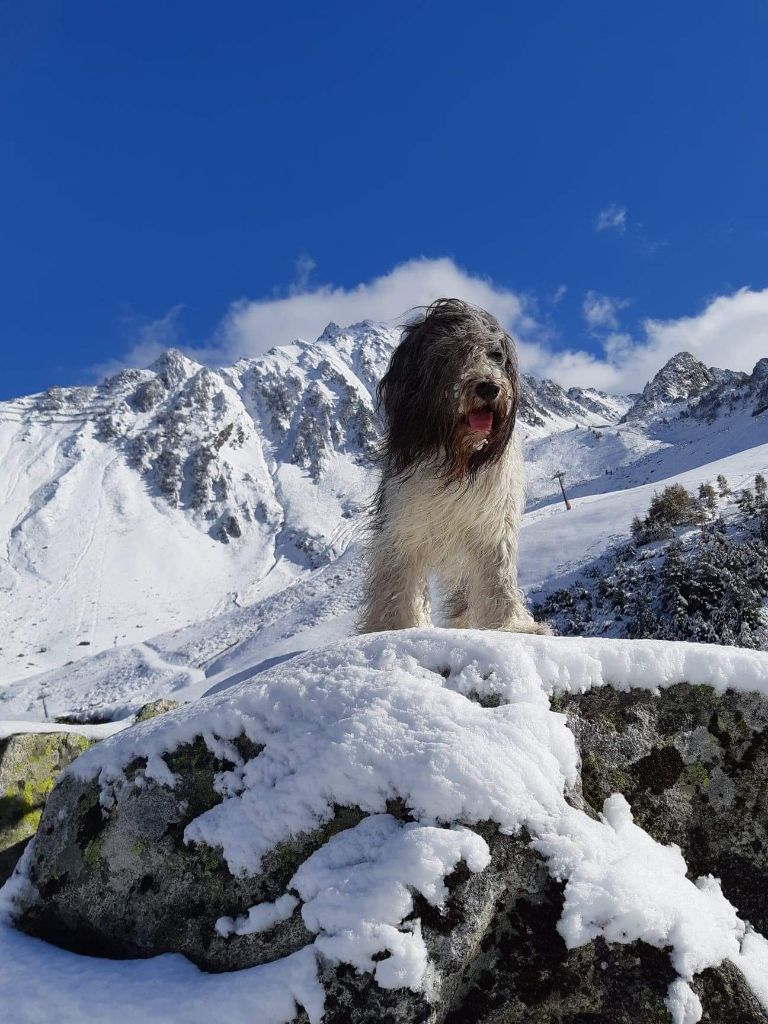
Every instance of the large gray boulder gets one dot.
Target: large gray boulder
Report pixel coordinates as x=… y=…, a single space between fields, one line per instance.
x=30 y=763
x=145 y=847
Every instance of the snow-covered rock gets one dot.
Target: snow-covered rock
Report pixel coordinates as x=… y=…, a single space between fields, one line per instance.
x=682 y=377
x=403 y=825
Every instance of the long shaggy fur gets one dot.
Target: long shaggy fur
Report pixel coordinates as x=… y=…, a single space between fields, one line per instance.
x=451 y=496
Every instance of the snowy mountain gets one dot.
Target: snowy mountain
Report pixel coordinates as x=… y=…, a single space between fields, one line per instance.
x=178 y=503
x=166 y=495
x=683 y=377
x=687 y=416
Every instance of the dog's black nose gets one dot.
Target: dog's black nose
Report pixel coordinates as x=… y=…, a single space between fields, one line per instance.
x=487 y=391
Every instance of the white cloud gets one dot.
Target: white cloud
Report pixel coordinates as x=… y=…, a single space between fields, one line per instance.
x=601 y=311
x=254 y=325
x=612 y=218
x=559 y=294
x=731 y=331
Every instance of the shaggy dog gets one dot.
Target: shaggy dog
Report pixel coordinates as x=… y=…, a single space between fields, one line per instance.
x=452 y=489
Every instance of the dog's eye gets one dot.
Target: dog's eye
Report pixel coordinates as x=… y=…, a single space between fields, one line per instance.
x=497 y=356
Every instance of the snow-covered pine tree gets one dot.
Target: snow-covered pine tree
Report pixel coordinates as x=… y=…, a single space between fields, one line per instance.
x=708 y=497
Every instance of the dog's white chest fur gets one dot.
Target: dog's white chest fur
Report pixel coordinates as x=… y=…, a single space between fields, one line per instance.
x=463 y=535
x=454 y=520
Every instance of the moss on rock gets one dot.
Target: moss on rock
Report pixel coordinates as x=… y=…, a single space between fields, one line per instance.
x=155 y=708
x=29 y=766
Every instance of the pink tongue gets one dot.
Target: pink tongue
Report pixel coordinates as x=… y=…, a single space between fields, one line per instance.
x=482 y=421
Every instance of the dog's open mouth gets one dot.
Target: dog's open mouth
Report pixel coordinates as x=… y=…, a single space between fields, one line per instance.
x=481 y=420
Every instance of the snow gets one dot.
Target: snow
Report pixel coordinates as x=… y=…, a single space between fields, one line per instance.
x=93 y=557
x=555 y=542
x=390 y=716
x=115 y=595
x=260 y=918
x=98 y=555
x=753 y=963
x=321 y=605
x=358 y=890
x=36 y=976
x=683 y=1004
x=627 y=455
x=624 y=886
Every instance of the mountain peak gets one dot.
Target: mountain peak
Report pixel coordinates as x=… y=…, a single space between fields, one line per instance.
x=174 y=367
x=681 y=377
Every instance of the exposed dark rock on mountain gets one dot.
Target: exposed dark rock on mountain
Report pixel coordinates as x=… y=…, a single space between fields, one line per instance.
x=681 y=378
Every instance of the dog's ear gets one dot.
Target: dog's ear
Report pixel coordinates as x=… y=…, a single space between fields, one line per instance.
x=514 y=378
x=402 y=377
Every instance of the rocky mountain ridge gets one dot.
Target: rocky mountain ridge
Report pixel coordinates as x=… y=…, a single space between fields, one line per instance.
x=681 y=378
x=685 y=386
x=208 y=441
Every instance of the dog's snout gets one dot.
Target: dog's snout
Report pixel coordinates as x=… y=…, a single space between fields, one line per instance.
x=487 y=390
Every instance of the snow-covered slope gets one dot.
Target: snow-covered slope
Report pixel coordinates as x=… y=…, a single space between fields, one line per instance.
x=168 y=516
x=168 y=495
x=687 y=417
x=320 y=606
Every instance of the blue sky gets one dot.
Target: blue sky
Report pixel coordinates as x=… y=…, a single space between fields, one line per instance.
x=585 y=167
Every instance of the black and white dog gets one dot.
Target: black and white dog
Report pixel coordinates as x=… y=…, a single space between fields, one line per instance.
x=452 y=490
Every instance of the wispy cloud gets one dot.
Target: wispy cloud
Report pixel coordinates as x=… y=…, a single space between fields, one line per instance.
x=147 y=339
x=559 y=294
x=601 y=311
x=304 y=267
x=612 y=218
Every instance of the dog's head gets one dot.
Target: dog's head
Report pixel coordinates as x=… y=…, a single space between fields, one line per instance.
x=450 y=393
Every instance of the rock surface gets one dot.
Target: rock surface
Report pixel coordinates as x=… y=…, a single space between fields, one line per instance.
x=155 y=708
x=117 y=888
x=693 y=765
x=29 y=765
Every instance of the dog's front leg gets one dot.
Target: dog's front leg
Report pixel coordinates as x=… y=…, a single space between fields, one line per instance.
x=457 y=609
x=495 y=600
x=396 y=590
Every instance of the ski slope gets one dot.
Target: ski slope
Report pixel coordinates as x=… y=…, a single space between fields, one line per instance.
x=320 y=606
